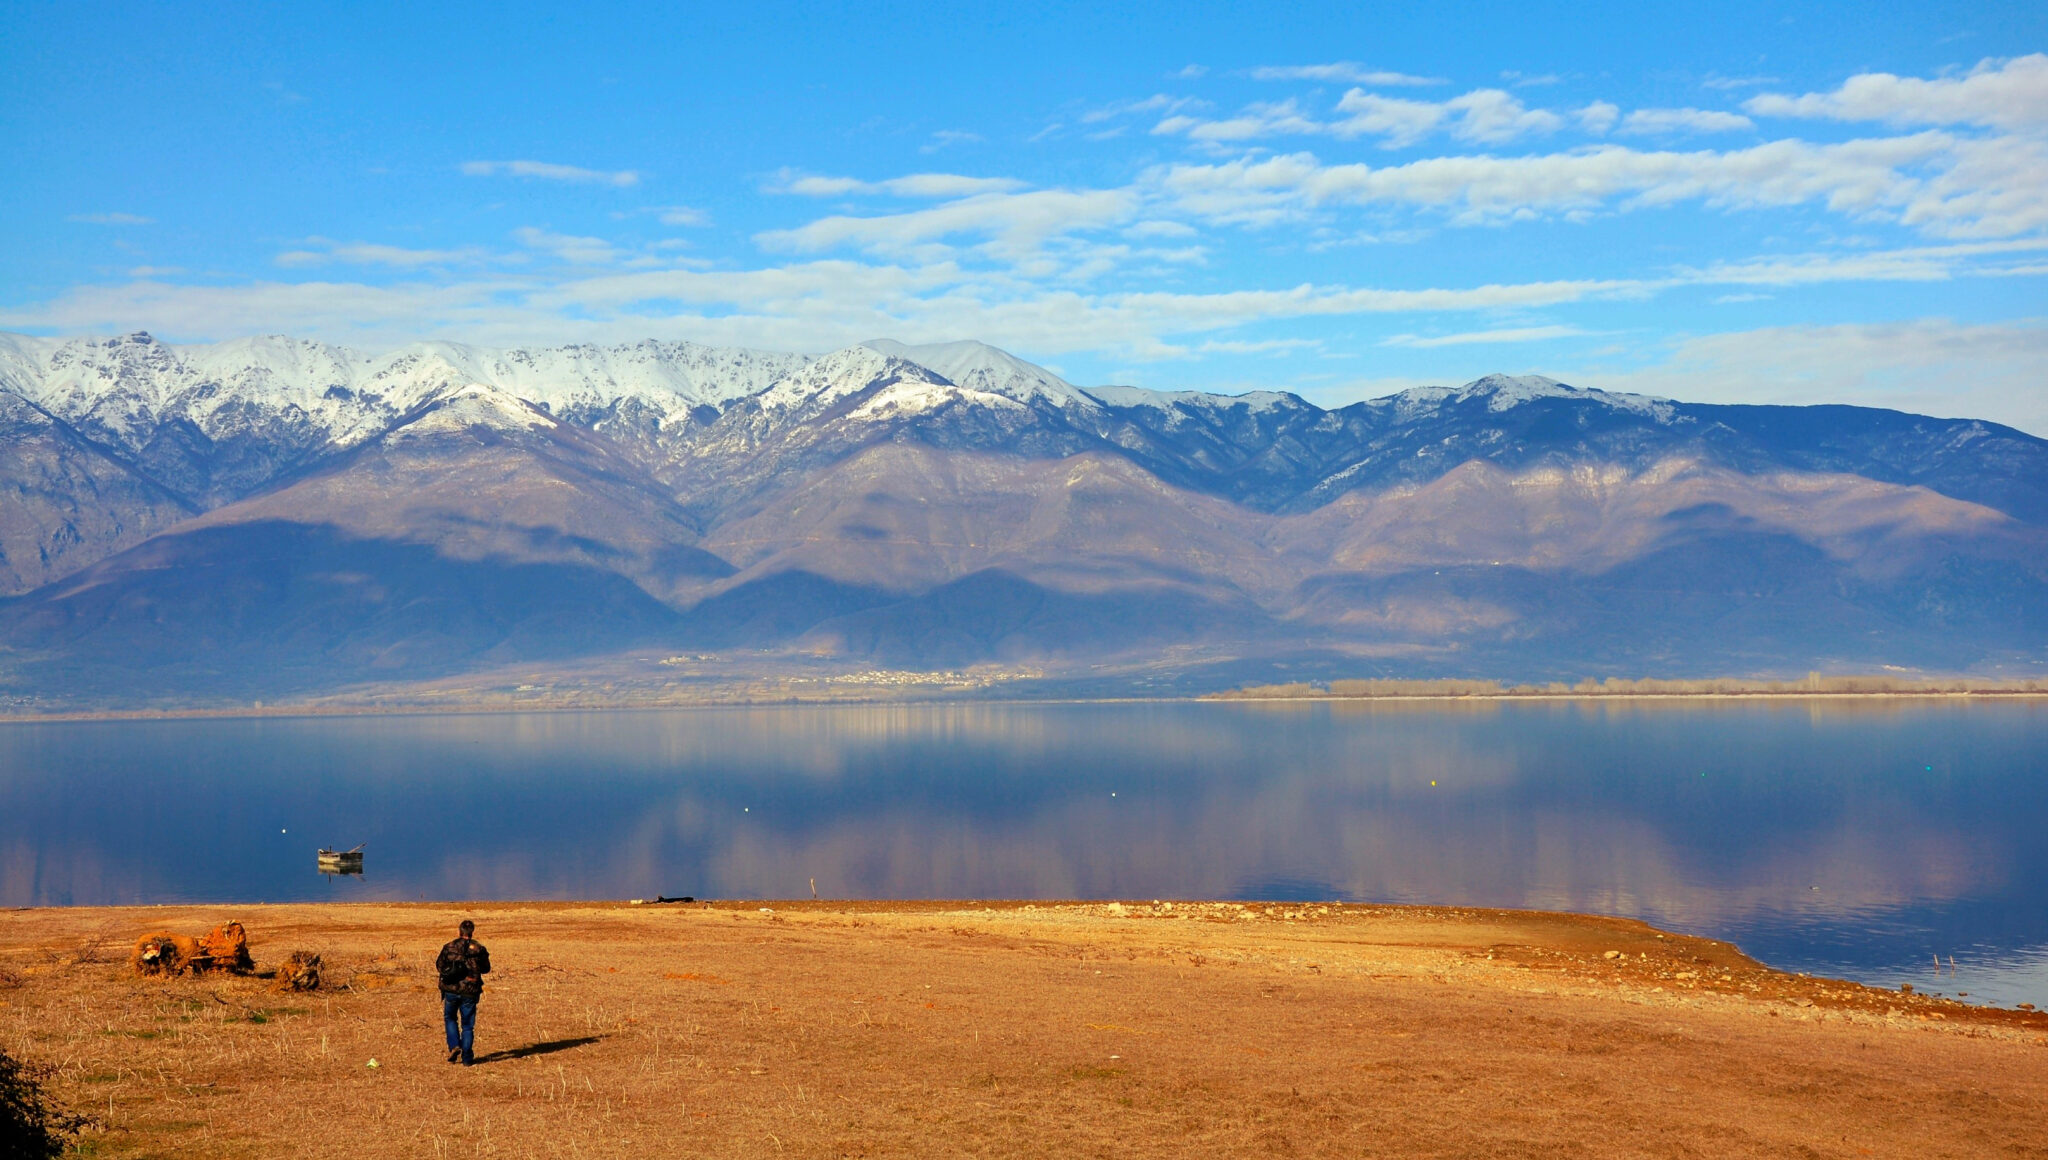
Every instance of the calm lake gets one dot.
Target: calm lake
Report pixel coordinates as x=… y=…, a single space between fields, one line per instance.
x=1854 y=838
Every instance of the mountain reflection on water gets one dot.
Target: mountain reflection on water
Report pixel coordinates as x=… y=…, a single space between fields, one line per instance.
x=1849 y=837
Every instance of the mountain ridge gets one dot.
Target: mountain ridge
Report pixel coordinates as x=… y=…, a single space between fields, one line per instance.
x=950 y=504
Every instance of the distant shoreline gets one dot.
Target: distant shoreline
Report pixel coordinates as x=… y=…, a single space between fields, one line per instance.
x=1243 y=696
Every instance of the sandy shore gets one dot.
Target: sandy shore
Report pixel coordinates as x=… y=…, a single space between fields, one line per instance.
x=872 y=1029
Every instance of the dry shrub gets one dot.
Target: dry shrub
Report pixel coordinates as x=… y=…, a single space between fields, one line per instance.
x=1394 y=688
x=1624 y=687
x=226 y=948
x=300 y=971
x=1274 y=692
x=163 y=953
x=93 y=947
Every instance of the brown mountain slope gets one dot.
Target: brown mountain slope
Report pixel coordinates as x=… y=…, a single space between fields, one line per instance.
x=64 y=503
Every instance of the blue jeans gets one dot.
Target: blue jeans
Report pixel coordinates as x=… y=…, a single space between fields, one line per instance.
x=458 y=1015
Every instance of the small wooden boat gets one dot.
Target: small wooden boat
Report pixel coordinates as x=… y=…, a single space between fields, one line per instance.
x=341 y=861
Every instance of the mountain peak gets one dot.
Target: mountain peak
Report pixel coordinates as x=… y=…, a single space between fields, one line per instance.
x=1506 y=392
x=470 y=406
x=977 y=366
x=837 y=375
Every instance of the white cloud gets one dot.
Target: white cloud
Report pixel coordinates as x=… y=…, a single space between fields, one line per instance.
x=1398 y=123
x=1470 y=337
x=1016 y=223
x=1494 y=117
x=547 y=171
x=1259 y=120
x=2010 y=94
x=1160 y=228
x=1937 y=367
x=1727 y=84
x=1929 y=366
x=807 y=306
x=1913 y=264
x=110 y=219
x=1992 y=187
x=1268 y=346
x=1597 y=117
x=1342 y=72
x=1488 y=116
x=945 y=137
x=1668 y=122
x=1192 y=71
x=928 y=185
x=1987 y=188
x=681 y=215
x=1156 y=103
x=567 y=247
x=373 y=254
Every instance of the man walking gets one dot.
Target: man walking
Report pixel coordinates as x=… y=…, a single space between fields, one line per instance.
x=462 y=965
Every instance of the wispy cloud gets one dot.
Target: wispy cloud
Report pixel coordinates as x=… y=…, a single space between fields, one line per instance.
x=1672 y=122
x=1266 y=346
x=110 y=219
x=1053 y=269
x=1156 y=103
x=1159 y=228
x=1933 y=366
x=1729 y=84
x=548 y=171
x=668 y=215
x=1342 y=72
x=1470 y=337
x=568 y=247
x=916 y=185
x=327 y=251
x=1931 y=181
x=1259 y=120
x=1485 y=116
x=945 y=137
x=805 y=306
x=1016 y=224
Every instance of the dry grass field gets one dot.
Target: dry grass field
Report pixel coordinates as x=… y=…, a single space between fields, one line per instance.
x=972 y=1029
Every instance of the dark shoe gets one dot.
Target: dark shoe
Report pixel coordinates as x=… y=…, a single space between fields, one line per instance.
x=455 y=1056
x=469 y=1063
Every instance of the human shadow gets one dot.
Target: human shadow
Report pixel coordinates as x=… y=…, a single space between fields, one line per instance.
x=547 y=1048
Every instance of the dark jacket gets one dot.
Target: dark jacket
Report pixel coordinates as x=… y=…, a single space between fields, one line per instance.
x=462 y=965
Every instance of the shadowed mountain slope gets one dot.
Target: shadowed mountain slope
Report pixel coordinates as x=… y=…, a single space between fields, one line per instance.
x=65 y=502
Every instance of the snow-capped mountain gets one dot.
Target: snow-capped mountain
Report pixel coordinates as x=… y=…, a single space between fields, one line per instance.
x=278 y=498
x=977 y=366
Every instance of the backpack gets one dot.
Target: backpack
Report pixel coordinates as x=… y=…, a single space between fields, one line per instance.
x=454 y=968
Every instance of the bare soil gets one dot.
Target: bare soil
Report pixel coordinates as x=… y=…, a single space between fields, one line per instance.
x=998 y=1029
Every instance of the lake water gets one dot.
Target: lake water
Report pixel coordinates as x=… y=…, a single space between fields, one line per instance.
x=1852 y=838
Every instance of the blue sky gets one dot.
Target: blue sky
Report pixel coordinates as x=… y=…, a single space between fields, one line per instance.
x=1791 y=202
